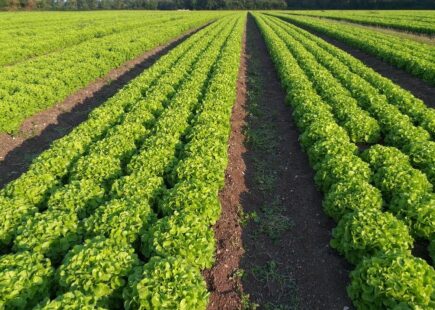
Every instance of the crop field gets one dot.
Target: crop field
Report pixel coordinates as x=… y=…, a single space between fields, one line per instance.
x=217 y=160
x=412 y=21
x=43 y=68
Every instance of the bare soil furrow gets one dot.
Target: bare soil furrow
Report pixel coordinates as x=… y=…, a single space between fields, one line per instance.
x=38 y=131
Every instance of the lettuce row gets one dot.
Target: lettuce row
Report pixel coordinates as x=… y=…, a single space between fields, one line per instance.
x=32 y=86
x=107 y=167
x=181 y=235
x=422 y=156
x=397 y=128
x=79 y=197
x=345 y=197
x=51 y=233
x=119 y=146
x=166 y=283
x=392 y=281
x=199 y=172
x=119 y=219
x=182 y=243
x=156 y=154
x=392 y=41
x=56 y=160
x=341 y=174
x=24 y=278
x=35 y=186
x=13 y=212
x=365 y=233
x=99 y=268
x=191 y=196
x=387 y=19
x=204 y=157
x=54 y=231
x=73 y=300
x=123 y=218
x=150 y=162
x=360 y=126
x=72 y=30
x=407 y=190
x=415 y=108
x=392 y=50
x=328 y=145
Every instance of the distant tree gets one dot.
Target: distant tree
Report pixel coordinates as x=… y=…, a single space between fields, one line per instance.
x=151 y=4
x=105 y=4
x=82 y=5
x=118 y=4
x=58 y=4
x=213 y=4
x=30 y=4
x=71 y=5
x=188 y=4
x=234 y=4
x=92 y=4
x=13 y=5
x=166 y=5
x=201 y=4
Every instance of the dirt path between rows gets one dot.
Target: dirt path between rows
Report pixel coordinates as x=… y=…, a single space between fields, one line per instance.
x=38 y=131
x=419 y=37
x=415 y=85
x=288 y=261
x=222 y=280
x=270 y=199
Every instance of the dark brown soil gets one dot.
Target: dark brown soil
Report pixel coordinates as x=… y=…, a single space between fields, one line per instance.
x=296 y=269
x=38 y=131
x=419 y=88
x=288 y=262
x=222 y=279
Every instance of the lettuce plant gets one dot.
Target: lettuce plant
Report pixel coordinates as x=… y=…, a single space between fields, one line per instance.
x=392 y=281
x=81 y=197
x=345 y=197
x=25 y=279
x=166 y=283
x=119 y=219
x=13 y=212
x=192 y=197
x=51 y=233
x=183 y=235
x=74 y=300
x=99 y=267
x=367 y=232
x=341 y=168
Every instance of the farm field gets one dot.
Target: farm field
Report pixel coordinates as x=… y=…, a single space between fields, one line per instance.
x=408 y=54
x=412 y=21
x=88 y=47
x=236 y=160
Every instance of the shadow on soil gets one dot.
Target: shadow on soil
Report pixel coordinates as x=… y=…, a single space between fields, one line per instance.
x=288 y=263
x=18 y=160
x=418 y=87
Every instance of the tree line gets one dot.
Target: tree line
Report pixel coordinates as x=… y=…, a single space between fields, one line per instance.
x=212 y=4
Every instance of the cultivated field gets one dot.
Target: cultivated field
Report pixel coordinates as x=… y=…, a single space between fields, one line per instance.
x=217 y=160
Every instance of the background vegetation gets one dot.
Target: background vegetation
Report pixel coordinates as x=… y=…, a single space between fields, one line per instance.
x=212 y=4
